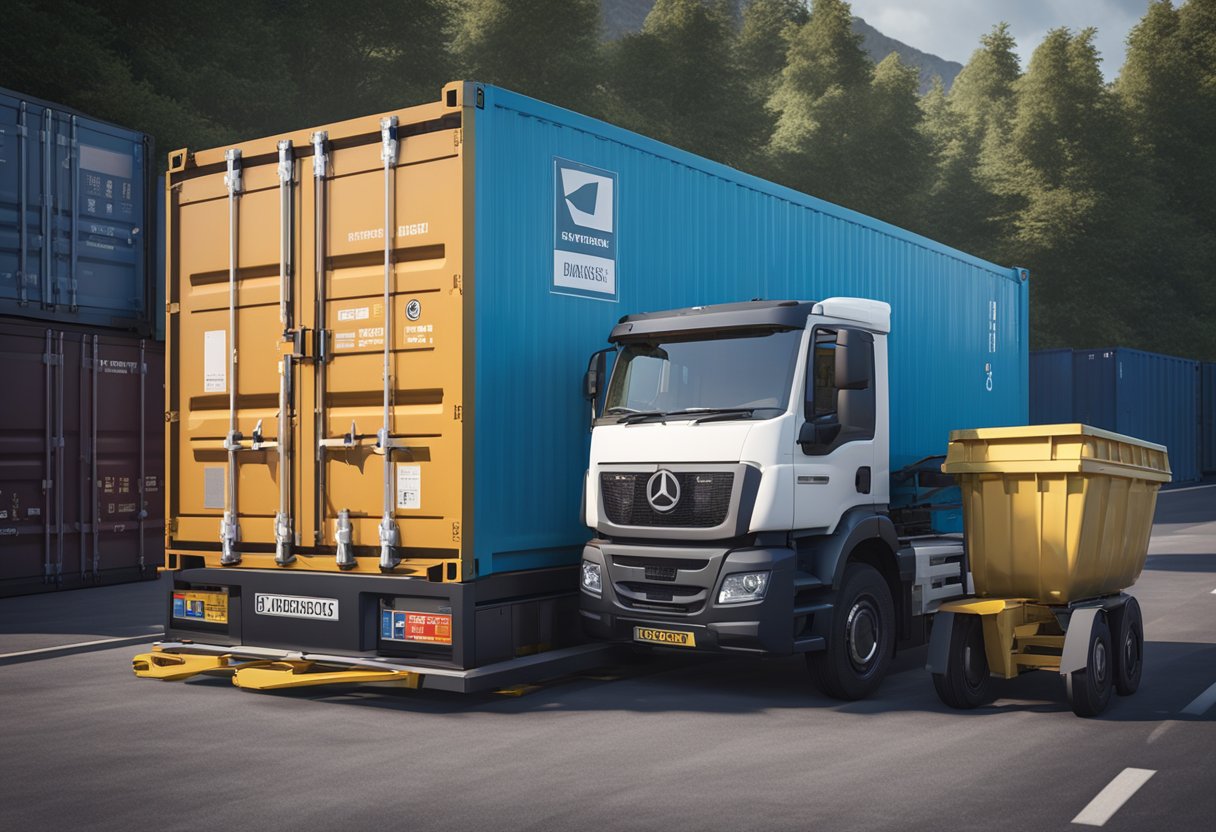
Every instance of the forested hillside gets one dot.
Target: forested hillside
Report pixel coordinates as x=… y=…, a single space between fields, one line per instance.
x=1106 y=192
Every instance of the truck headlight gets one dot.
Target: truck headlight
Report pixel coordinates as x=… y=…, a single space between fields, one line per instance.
x=742 y=587
x=591 y=578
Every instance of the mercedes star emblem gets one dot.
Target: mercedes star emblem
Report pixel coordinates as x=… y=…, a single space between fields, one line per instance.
x=663 y=491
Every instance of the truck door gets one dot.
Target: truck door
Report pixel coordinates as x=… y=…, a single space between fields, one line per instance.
x=834 y=457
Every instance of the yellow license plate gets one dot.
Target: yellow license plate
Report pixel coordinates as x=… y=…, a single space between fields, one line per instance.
x=208 y=607
x=668 y=638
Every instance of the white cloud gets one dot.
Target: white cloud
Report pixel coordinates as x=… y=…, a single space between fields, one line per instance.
x=951 y=29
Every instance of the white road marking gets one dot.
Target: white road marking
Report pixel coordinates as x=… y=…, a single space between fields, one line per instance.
x=1159 y=731
x=58 y=648
x=1112 y=798
x=1200 y=705
x=1188 y=488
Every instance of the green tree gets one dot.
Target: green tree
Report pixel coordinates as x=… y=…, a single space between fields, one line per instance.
x=1077 y=173
x=969 y=199
x=821 y=106
x=678 y=81
x=1168 y=87
x=896 y=151
x=549 y=49
x=846 y=131
x=763 y=38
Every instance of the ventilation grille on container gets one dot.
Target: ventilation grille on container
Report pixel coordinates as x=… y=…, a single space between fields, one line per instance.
x=704 y=499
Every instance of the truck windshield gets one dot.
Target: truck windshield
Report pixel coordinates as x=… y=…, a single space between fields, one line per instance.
x=747 y=376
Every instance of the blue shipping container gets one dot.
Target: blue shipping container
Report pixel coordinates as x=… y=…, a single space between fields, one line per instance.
x=1207 y=412
x=1051 y=387
x=685 y=231
x=75 y=204
x=1141 y=394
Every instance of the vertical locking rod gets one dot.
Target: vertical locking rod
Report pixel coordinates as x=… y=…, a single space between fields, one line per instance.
x=284 y=534
x=389 y=535
x=230 y=529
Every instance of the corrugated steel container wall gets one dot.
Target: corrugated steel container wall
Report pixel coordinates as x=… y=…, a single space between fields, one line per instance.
x=1141 y=394
x=1208 y=418
x=486 y=358
x=158 y=263
x=81 y=465
x=75 y=214
x=694 y=232
x=1051 y=387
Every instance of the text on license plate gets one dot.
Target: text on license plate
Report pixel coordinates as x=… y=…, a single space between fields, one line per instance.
x=296 y=606
x=669 y=638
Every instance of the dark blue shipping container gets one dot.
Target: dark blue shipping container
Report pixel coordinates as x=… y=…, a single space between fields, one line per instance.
x=1141 y=394
x=1207 y=410
x=75 y=211
x=1051 y=387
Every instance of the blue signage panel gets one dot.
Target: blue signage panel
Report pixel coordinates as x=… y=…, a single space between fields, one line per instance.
x=584 y=230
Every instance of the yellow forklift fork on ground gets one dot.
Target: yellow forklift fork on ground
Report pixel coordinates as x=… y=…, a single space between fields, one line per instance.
x=263 y=675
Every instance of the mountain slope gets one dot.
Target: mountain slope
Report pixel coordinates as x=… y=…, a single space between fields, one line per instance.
x=622 y=17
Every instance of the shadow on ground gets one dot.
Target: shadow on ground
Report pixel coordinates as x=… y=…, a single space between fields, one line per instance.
x=1175 y=672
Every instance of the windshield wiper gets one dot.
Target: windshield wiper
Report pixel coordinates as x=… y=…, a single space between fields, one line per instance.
x=631 y=414
x=720 y=414
x=697 y=414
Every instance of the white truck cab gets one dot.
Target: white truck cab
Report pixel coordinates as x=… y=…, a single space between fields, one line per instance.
x=739 y=489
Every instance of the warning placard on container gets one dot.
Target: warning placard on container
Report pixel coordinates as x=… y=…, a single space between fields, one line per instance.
x=215 y=361
x=584 y=230
x=409 y=486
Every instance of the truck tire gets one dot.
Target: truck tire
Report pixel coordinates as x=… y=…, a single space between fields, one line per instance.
x=966 y=684
x=1089 y=689
x=862 y=638
x=1128 y=628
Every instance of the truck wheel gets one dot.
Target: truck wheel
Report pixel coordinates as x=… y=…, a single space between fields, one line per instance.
x=1129 y=647
x=966 y=682
x=862 y=637
x=1089 y=689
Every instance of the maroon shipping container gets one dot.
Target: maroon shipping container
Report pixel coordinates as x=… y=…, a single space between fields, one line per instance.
x=82 y=458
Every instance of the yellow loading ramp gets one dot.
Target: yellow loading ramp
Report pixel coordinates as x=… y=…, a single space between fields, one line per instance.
x=258 y=668
x=1056 y=522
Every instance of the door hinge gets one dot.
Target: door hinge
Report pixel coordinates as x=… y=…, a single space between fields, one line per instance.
x=170 y=416
x=458 y=284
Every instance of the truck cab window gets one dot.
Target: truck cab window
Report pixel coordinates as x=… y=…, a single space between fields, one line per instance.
x=839 y=392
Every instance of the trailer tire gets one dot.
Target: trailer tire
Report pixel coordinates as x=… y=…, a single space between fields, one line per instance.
x=967 y=683
x=1129 y=647
x=862 y=637
x=1089 y=689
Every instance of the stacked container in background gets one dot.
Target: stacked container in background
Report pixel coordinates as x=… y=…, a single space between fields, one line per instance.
x=82 y=425
x=1207 y=419
x=1147 y=395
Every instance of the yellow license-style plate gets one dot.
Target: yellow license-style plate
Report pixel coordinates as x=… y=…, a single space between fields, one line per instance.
x=667 y=638
x=208 y=607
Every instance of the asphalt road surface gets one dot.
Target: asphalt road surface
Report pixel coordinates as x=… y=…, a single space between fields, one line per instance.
x=677 y=742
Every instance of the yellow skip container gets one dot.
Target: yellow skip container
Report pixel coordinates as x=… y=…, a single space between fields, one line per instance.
x=1055 y=513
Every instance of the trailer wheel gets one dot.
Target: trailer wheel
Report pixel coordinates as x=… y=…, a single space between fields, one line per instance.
x=1089 y=689
x=862 y=639
x=1129 y=647
x=966 y=683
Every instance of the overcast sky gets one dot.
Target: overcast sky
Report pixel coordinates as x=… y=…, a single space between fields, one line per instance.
x=951 y=29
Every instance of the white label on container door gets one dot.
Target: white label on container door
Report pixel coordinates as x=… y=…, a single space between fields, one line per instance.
x=409 y=486
x=215 y=361
x=213 y=486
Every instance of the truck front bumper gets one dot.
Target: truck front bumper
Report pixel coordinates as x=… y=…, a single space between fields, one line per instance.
x=676 y=589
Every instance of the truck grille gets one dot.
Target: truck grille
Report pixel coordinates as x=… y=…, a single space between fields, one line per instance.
x=661 y=597
x=704 y=499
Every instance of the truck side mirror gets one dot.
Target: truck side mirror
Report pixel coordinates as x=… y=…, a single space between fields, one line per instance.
x=593 y=378
x=820 y=433
x=854 y=359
